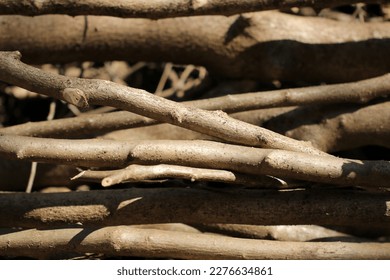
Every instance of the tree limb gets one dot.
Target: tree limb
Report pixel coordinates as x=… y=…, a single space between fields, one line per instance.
x=155 y=9
x=264 y=46
x=151 y=243
x=195 y=206
x=202 y=154
x=82 y=92
x=343 y=129
x=330 y=128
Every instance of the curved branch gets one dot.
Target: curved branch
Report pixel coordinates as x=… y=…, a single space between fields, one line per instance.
x=330 y=128
x=195 y=206
x=202 y=154
x=82 y=92
x=357 y=92
x=156 y=8
x=263 y=46
x=152 y=243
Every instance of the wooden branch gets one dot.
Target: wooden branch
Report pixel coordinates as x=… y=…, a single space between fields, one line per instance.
x=156 y=8
x=365 y=125
x=81 y=126
x=195 y=206
x=329 y=128
x=264 y=46
x=345 y=128
x=301 y=233
x=150 y=243
x=136 y=173
x=202 y=154
x=357 y=92
x=82 y=92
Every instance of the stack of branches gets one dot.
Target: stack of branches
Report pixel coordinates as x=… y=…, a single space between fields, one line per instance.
x=259 y=170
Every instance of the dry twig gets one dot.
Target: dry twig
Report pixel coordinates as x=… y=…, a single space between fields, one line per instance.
x=358 y=92
x=82 y=92
x=136 y=173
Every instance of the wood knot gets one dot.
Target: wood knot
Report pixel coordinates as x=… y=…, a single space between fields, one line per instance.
x=75 y=96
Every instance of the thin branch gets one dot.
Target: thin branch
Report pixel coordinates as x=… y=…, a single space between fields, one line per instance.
x=151 y=243
x=136 y=173
x=14 y=175
x=155 y=9
x=96 y=124
x=83 y=125
x=31 y=178
x=195 y=206
x=164 y=78
x=357 y=92
x=201 y=154
x=263 y=46
x=82 y=92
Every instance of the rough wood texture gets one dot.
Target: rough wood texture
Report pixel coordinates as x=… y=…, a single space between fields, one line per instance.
x=329 y=128
x=81 y=92
x=157 y=8
x=137 y=173
x=195 y=206
x=202 y=154
x=264 y=46
x=357 y=92
x=339 y=128
x=152 y=243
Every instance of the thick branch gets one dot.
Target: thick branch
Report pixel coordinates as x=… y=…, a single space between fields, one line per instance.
x=150 y=243
x=195 y=206
x=202 y=154
x=330 y=128
x=346 y=129
x=157 y=8
x=82 y=92
x=264 y=46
